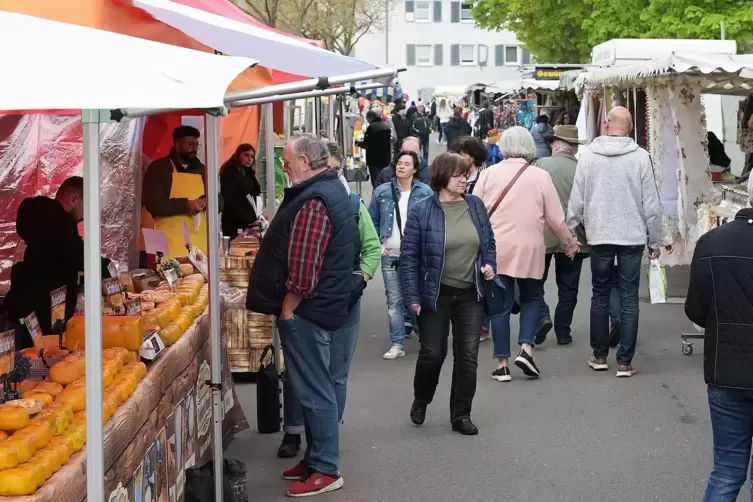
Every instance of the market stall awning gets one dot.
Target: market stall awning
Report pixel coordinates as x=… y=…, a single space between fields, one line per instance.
x=54 y=65
x=273 y=50
x=718 y=73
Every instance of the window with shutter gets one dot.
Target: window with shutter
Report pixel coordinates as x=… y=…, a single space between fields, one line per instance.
x=454 y=12
x=465 y=12
x=454 y=55
x=410 y=55
x=437 y=12
x=467 y=54
x=499 y=55
x=423 y=11
x=410 y=9
x=511 y=54
x=423 y=55
x=438 y=55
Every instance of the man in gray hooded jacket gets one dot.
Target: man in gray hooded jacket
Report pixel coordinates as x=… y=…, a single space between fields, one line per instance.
x=615 y=197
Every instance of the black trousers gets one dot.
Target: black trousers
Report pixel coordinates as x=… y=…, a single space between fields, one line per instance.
x=374 y=174
x=462 y=309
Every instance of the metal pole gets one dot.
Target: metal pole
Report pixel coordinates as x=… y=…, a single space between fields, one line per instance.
x=317 y=115
x=331 y=121
x=635 y=105
x=269 y=148
x=386 y=31
x=286 y=125
x=306 y=94
x=95 y=468
x=723 y=30
x=215 y=314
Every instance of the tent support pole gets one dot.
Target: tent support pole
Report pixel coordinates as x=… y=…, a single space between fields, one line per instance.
x=95 y=472
x=331 y=121
x=215 y=314
x=340 y=91
x=269 y=148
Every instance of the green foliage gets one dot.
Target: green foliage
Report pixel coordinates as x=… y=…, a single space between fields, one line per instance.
x=564 y=31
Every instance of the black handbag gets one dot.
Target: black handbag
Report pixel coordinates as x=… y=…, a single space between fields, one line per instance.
x=268 y=395
x=494 y=297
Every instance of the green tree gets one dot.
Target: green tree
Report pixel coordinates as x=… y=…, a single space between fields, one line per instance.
x=564 y=31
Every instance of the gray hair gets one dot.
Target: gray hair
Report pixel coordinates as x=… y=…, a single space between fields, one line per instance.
x=517 y=143
x=336 y=152
x=314 y=149
x=411 y=138
x=564 y=147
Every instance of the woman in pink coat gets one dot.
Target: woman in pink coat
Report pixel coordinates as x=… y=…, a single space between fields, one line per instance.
x=521 y=199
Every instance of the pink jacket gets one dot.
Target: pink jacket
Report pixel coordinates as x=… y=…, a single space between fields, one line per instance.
x=518 y=222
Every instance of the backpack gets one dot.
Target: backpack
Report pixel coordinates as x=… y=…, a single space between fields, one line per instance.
x=355 y=203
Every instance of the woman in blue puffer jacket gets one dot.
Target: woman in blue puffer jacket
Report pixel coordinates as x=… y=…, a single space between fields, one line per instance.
x=540 y=131
x=448 y=251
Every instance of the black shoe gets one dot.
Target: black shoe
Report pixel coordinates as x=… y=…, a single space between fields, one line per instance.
x=291 y=445
x=464 y=426
x=418 y=413
x=564 y=340
x=614 y=336
x=545 y=326
x=525 y=362
x=502 y=374
x=515 y=308
x=408 y=330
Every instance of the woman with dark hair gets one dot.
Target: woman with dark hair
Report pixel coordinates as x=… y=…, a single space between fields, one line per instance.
x=239 y=187
x=565 y=119
x=474 y=150
x=540 y=130
x=448 y=252
x=389 y=207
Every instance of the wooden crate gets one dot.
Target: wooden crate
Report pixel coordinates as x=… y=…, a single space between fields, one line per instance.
x=247 y=333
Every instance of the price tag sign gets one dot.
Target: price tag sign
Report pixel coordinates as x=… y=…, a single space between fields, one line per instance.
x=32 y=325
x=7 y=352
x=155 y=242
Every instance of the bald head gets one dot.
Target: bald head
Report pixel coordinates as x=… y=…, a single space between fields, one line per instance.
x=619 y=122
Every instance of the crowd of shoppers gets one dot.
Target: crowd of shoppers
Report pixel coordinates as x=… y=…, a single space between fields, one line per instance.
x=456 y=254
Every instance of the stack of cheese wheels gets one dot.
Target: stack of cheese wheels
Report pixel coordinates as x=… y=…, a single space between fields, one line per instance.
x=190 y=301
x=33 y=448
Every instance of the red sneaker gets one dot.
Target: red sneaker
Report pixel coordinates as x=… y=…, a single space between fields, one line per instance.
x=315 y=484
x=298 y=471
x=484 y=334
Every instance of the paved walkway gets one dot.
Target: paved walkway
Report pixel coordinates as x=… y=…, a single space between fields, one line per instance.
x=572 y=436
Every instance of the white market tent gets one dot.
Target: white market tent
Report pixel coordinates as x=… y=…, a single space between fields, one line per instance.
x=716 y=73
x=154 y=74
x=271 y=49
x=66 y=66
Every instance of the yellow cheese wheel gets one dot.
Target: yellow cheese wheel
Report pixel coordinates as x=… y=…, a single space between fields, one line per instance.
x=77 y=437
x=40 y=396
x=27 y=385
x=65 y=372
x=13 y=418
x=75 y=396
x=171 y=333
x=17 y=482
x=3 y=435
x=36 y=470
x=39 y=432
x=65 y=446
x=8 y=457
x=119 y=354
x=24 y=448
x=60 y=417
x=139 y=368
x=47 y=460
x=117 y=331
x=186 y=269
x=50 y=388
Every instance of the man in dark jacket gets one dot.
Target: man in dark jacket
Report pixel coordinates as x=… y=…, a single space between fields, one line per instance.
x=402 y=126
x=720 y=299
x=53 y=257
x=376 y=142
x=307 y=274
x=457 y=126
x=421 y=128
x=409 y=144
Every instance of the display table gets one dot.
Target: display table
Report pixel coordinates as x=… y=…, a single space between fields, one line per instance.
x=163 y=428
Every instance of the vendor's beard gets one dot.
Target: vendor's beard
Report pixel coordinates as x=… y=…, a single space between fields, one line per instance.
x=188 y=158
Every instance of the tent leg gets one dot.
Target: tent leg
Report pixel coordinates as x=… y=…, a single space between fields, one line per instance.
x=269 y=148
x=213 y=211
x=331 y=118
x=95 y=475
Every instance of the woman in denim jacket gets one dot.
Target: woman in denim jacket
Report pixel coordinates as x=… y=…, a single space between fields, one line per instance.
x=390 y=223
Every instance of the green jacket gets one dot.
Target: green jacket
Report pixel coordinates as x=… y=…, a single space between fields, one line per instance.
x=561 y=168
x=371 y=248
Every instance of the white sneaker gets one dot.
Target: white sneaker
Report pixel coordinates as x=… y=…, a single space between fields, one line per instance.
x=394 y=352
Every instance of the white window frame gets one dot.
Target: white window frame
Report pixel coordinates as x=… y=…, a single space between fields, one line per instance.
x=469 y=19
x=473 y=52
x=517 y=55
x=428 y=17
x=428 y=62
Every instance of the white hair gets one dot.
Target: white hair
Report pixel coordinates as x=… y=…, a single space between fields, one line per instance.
x=313 y=148
x=564 y=147
x=517 y=143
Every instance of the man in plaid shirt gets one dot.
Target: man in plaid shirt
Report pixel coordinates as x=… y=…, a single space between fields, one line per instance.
x=307 y=273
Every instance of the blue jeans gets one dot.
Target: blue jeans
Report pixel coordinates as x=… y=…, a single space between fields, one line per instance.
x=443 y=131
x=614 y=299
x=425 y=148
x=530 y=308
x=341 y=355
x=567 y=275
x=732 y=425
x=602 y=278
x=308 y=357
x=395 y=308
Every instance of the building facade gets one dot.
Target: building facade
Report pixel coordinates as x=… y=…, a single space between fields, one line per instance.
x=439 y=44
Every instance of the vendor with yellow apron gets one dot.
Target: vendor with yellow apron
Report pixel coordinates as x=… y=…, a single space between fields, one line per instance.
x=174 y=193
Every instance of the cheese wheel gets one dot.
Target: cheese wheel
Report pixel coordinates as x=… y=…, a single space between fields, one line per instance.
x=40 y=396
x=47 y=460
x=17 y=482
x=24 y=448
x=39 y=432
x=186 y=269
x=65 y=372
x=75 y=396
x=50 y=388
x=13 y=418
x=8 y=457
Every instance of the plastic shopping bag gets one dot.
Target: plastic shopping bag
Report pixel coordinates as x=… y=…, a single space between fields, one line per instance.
x=657 y=282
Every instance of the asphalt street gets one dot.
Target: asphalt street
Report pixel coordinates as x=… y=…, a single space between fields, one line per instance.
x=572 y=436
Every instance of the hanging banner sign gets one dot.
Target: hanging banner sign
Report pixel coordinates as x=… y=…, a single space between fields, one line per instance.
x=543 y=73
